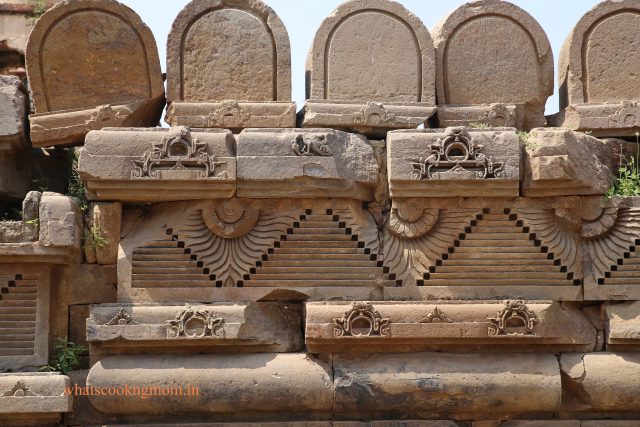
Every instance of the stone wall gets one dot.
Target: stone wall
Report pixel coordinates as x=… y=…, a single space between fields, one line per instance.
x=417 y=246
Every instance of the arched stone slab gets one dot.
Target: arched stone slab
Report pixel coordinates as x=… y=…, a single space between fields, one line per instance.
x=349 y=91
x=229 y=66
x=598 y=77
x=494 y=66
x=91 y=64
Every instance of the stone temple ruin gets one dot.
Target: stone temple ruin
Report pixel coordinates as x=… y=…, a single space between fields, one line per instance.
x=417 y=246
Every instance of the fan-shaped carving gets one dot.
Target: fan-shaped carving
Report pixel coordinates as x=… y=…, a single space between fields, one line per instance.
x=410 y=220
x=409 y=259
x=230 y=258
x=362 y=224
x=561 y=240
x=597 y=220
x=230 y=218
x=605 y=249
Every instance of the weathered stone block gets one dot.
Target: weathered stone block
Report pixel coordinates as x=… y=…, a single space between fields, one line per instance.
x=120 y=86
x=25 y=230
x=560 y=162
x=454 y=162
x=445 y=386
x=13 y=112
x=248 y=327
x=101 y=243
x=60 y=221
x=153 y=165
x=490 y=52
x=305 y=163
x=597 y=92
x=349 y=91
x=622 y=323
x=247 y=83
x=600 y=383
x=279 y=386
x=33 y=399
x=405 y=327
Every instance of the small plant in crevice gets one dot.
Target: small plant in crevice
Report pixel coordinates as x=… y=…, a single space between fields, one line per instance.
x=627 y=182
x=95 y=238
x=478 y=125
x=39 y=8
x=75 y=187
x=66 y=356
x=525 y=138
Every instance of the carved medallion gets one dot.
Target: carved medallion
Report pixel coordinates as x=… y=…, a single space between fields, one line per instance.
x=178 y=156
x=456 y=156
x=122 y=318
x=499 y=116
x=374 y=114
x=362 y=320
x=627 y=116
x=409 y=220
x=190 y=323
x=230 y=218
x=514 y=319
x=310 y=145
x=228 y=115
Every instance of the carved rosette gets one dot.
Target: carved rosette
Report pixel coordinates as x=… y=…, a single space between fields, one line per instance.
x=499 y=116
x=456 y=156
x=436 y=316
x=362 y=320
x=409 y=220
x=178 y=151
x=374 y=114
x=229 y=115
x=514 y=319
x=627 y=116
x=19 y=390
x=122 y=318
x=105 y=116
x=190 y=323
x=230 y=218
x=310 y=145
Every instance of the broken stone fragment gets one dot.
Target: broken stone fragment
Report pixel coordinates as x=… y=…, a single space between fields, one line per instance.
x=13 y=112
x=103 y=235
x=561 y=162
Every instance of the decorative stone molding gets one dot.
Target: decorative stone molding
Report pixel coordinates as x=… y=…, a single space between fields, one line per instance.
x=362 y=320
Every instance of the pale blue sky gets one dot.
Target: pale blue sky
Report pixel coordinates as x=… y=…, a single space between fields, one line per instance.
x=303 y=17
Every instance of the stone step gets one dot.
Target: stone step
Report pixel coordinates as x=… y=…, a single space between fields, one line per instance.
x=176 y=276
x=7 y=302
x=319 y=224
x=502 y=229
x=521 y=276
x=172 y=283
x=169 y=270
x=319 y=218
x=163 y=264
x=495 y=243
x=17 y=310
x=17 y=325
x=18 y=296
x=495 y=223
x=632 y=260
x=318 y=231
x=4 y=317
x=319 y=263
x=160 y=244
x=16 y=331
x=497 y=236
x=446 y=268
x=496 y=282
x=13 y=337
x=465 y=249
x=318 y=237
x=623 y=273
x=495 y=217
x=314 y=276
x=513 y=259
x=145 y=251
x=23 y=290
x=343 y=257
x=308 y=283
x=319 y=270
x=163 y=257
x=496 y=255
x=316 y=244
x=16 y=351
x=4 y=344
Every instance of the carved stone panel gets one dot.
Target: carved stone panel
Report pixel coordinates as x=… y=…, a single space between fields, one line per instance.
x=91 y=64
x=597 y=62
x=492 y=52
x=145 y=165
x=453 y=162
x=218 y=250
x=33 y=398
x=515 y=325
x=349 y=91
x=305 y=163
x=229 y=66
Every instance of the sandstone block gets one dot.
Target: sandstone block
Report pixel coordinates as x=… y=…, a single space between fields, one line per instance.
x=139 y=329
x=445 y=386
x=104 y=232
x=154 y=165
x=121 y=84
x=247 y=83
x=560 y=162
x=33 y=395
x=13 y=112
x=60 y=221
x=305 y=163
x=600 y=383
x=349 y=91
x=284 y=386
x=622 y=325
x=492 y=52
x=364 y=327
x=454 y=162
x=597 y=91
x=25 y=230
